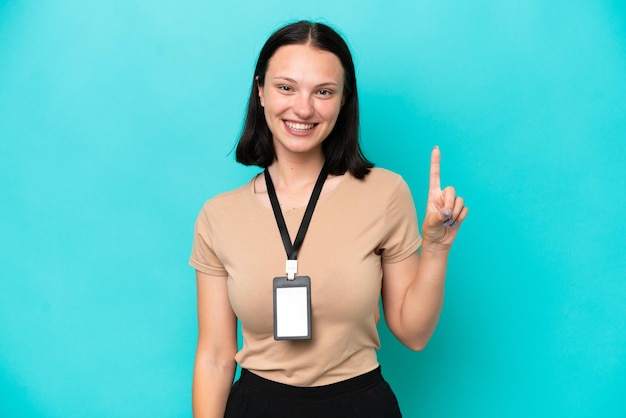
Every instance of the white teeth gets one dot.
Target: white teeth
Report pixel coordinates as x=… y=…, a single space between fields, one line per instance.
x=299 y=126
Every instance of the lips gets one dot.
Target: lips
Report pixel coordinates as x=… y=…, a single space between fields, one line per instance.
x=300 y=127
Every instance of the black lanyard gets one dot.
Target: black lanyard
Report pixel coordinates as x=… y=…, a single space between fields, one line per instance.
x=292 y=249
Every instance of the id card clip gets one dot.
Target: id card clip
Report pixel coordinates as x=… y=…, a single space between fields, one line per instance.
x=291 y=267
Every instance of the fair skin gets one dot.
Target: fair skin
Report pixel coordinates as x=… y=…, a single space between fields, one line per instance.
x=214 y=367
x=302 y=97
x=303 y=89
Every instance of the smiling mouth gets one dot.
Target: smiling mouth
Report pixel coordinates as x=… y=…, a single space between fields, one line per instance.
x=300 y=127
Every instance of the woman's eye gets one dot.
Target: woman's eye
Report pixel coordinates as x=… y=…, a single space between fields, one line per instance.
x=325 y=92
x=284 y=88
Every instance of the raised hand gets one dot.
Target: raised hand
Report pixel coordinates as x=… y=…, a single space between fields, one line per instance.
x=445 y=211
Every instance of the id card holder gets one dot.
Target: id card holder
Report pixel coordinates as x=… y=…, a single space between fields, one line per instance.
x=292 y=308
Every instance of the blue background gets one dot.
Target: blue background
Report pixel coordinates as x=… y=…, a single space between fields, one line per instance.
x=117 y=121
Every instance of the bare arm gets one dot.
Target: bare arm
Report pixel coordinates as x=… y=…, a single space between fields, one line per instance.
x=214 y=367
x=413 y=288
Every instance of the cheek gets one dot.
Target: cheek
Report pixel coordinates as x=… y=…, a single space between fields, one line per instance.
x=331 y=111
x=269 y=120
x=275 y=103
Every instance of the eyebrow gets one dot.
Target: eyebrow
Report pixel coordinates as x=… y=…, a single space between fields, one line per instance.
x=291 y=80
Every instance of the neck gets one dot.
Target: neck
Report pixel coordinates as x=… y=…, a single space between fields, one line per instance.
x=288 y=174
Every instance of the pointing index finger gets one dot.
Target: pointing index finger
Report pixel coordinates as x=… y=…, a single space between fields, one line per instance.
x=435 y=169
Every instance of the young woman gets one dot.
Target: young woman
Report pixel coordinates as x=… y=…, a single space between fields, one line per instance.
x=362 y=241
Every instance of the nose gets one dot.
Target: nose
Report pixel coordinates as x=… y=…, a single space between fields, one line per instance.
x=303 y=106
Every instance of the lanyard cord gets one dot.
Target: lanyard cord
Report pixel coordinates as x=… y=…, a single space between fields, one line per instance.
x=292 y=249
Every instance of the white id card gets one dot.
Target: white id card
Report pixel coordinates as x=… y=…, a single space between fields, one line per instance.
x=292 y=308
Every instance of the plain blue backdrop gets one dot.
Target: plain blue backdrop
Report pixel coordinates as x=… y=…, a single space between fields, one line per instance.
x=117 y=121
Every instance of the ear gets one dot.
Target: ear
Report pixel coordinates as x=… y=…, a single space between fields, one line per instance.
x=260 y=89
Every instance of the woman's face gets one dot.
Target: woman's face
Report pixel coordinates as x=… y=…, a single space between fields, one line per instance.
x=302 y=97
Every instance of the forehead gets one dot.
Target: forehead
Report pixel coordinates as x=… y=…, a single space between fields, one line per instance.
x=305 y=61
